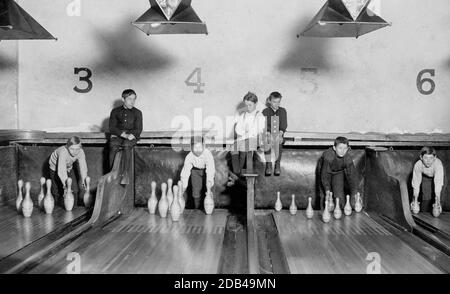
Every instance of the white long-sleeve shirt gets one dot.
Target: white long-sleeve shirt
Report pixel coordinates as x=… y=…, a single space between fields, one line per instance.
x=436 y=171
x=250 y=124
x=62 y=162
x=204 y=161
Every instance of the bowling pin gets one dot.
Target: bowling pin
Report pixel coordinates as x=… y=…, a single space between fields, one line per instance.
x=169 y=192
x=293 y=207
x=437 y=209
x=181 y=196
x=49 y=202
x=337 y=211
x=163 y=204
x=27 y=204
x=152 y=201
x=19 y=196
x=331 y=204
x=348 y=207
x=326 y=216
x=278 y=205
x=87 y=199
x=208 y=203
x=415 y=206
x=41 y=193
x=175 y=209
x=309 y=209
x=358 y=203
x=68 y=197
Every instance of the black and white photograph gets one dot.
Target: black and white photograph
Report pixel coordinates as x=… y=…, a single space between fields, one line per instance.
x=237 y=139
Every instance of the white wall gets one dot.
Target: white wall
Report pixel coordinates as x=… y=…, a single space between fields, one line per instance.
x=365 y=84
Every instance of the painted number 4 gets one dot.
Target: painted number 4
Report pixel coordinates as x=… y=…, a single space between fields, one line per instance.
x=198 y=84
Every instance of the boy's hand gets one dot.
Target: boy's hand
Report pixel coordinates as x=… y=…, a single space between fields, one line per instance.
x=124 y=135
x=83 y=184
x=131 y=137
x=209 y=185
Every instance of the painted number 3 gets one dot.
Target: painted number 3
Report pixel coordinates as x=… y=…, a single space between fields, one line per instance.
x=422 y=81
x=198 y=84
x=85 y=79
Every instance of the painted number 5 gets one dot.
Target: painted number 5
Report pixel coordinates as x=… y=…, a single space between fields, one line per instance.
x=421 y=81
x=86 y=79
x=198 y=84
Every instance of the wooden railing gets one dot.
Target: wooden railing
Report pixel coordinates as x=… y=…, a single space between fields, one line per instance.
x=293 y=138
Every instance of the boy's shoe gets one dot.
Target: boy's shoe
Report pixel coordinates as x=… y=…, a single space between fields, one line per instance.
x=268 y=169
x=277 y=170
x=230 y=182
x=232 y=176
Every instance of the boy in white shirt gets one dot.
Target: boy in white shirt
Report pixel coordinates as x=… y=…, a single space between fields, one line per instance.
x=61 y=163
x=199 y=167
x=249 y=127
x=428 y=171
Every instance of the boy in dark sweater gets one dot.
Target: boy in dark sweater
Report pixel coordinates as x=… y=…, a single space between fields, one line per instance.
x=125 y=125
x=276 y=118
x=338 y=168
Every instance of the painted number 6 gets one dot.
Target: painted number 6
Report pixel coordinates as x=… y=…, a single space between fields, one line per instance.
x=86 y=79
x=421 y=81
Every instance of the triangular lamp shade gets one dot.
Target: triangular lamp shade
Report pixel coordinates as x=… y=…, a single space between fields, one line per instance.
x=17 y=24
x=335 y=20
x=163 y=18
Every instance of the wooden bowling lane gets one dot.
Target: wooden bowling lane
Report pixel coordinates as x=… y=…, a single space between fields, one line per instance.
x=16 y=231
x=342 y=246
x=144 y=243
x=441 y=223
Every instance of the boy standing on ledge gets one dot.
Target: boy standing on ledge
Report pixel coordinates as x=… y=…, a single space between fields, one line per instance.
x=125 y=126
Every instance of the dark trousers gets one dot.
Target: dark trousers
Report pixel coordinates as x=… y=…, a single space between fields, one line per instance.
x=198 y=185
x=115 y=144
x=57 y=189
x=267 y=153
x=426 y=198
x=238 y=161
x=271 y=145
x=339 y=183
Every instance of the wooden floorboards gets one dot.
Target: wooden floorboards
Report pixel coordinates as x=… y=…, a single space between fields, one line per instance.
x=16 y=231
x=342 y=246
x=441 y=223
x=143 y=243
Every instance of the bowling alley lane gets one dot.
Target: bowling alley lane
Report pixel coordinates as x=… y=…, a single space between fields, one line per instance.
x=442 y=223
x=17 y=231
x=144 y=243
x=342 y=246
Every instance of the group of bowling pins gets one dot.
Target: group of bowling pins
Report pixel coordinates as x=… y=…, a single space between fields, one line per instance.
x=46 y=201
x=330 y=207
x=172 y=200
x=437 y=208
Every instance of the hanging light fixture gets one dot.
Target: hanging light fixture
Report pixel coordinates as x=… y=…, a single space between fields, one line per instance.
x=17 y=24
x=344 y=18
x=170 y=17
